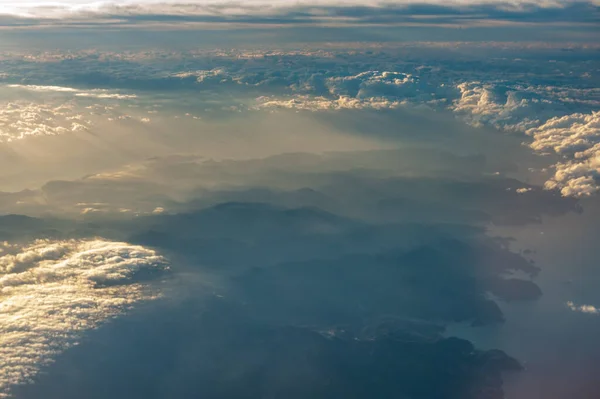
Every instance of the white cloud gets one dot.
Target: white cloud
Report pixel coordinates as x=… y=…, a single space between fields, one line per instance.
x=590 y=309
x=523 y=190
x=577 y=138
x=490 y=105
x=19 y=120
x=93 y=93
x=364 y=90
x=53 y=291
x=568 y=135
x=55 y=110
x=217 y=75
x=309 y=103
x=543 y=114
x=371 y=83
x=105 y=95
x=517 y=107
x=59 y=89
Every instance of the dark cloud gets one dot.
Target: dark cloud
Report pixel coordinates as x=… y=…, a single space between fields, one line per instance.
x=386 y=14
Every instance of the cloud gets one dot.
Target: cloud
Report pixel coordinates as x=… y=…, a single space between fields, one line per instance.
x=523 y=190
x=54 y=110
x=21 y=119
x=53 y=291
x=544 y=114
x=590 y=309
x=308 y=103
x=577 y=138
x=538 y=111
x=261 y=12
x=568 y=135
x=44 y=88
x=518 y=107
x=365 y=90
x=93 y=93
x=487 y=104
x=361 y=78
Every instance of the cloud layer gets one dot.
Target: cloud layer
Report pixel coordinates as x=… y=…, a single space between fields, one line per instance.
x=260 y=12
x=53 y=291
x=38 y=110
x=545 y=93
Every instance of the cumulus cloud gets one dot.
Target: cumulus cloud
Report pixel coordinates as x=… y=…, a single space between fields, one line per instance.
x=55 y=110
x=364 y=90
x=544 y=114
x=577 y=138
x=487 y=104
x=21 y=119
x=571 y=134
x=518 y=107
x=53 y=291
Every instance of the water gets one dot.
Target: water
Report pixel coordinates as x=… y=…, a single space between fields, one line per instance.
x=559 y=347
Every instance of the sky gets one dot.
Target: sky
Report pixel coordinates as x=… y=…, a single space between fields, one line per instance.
x=299 y=199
